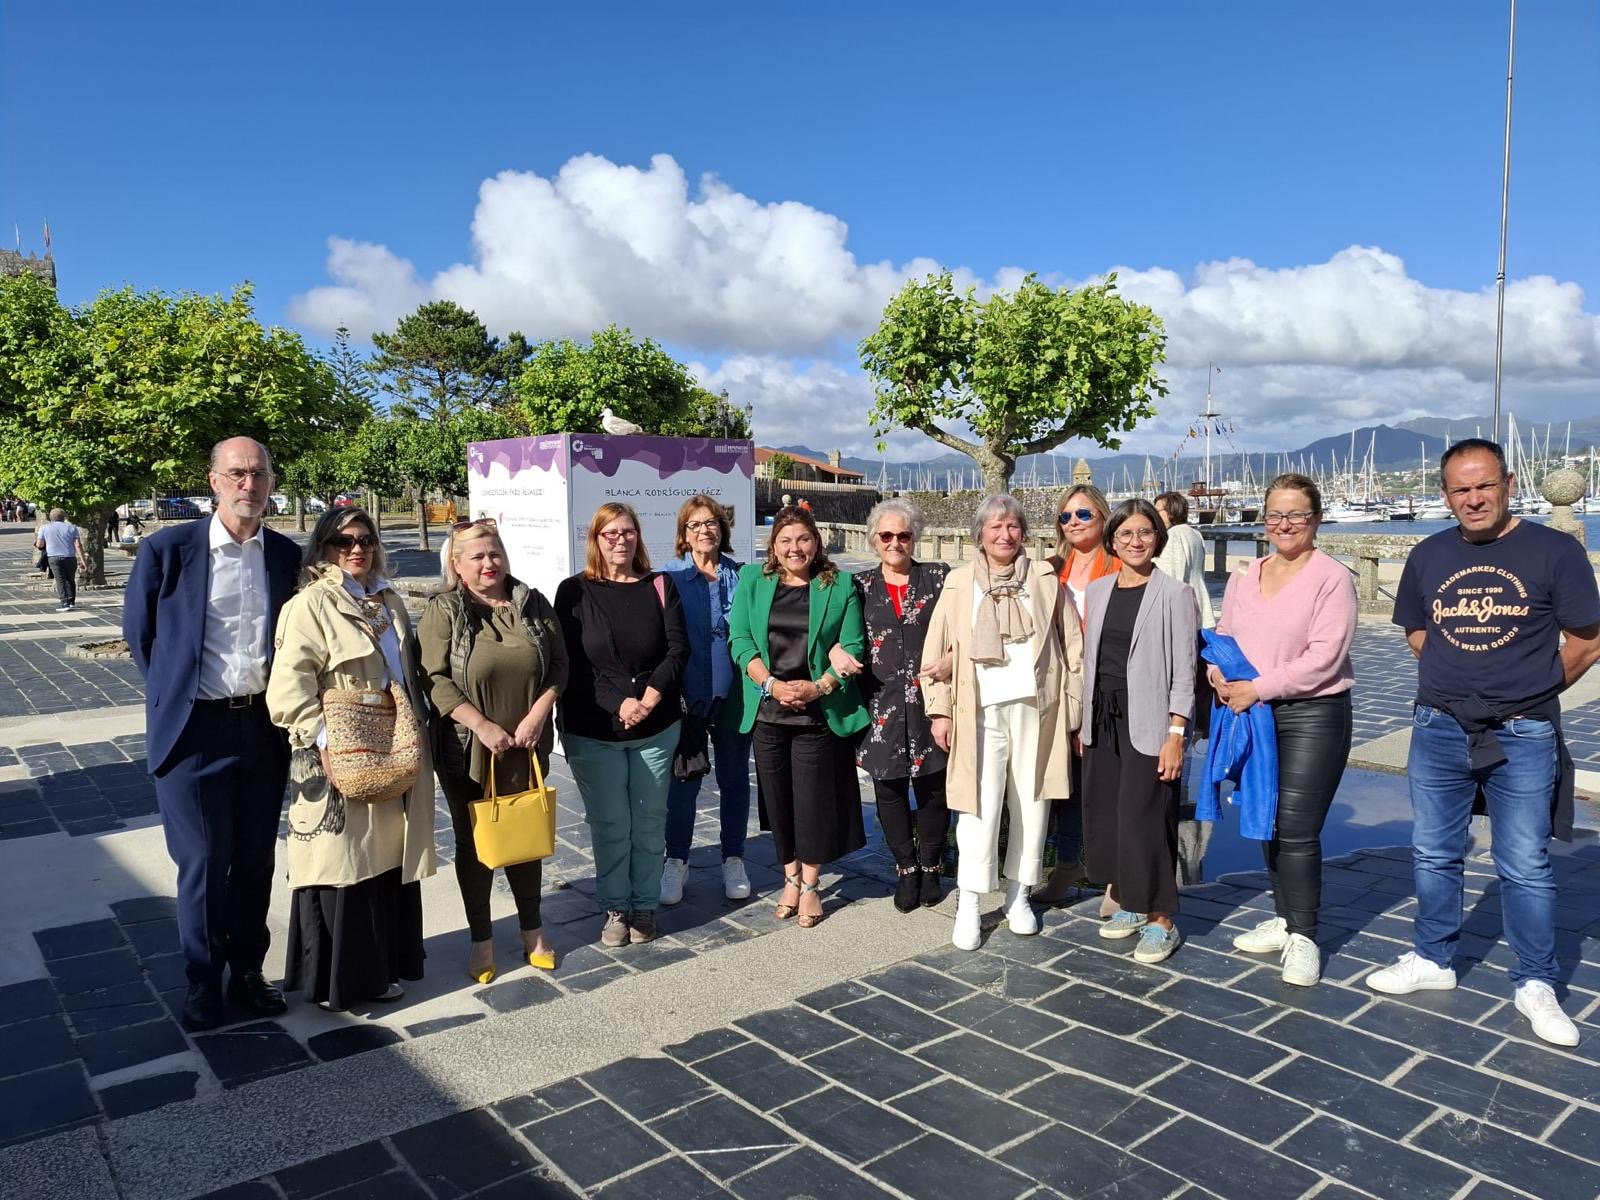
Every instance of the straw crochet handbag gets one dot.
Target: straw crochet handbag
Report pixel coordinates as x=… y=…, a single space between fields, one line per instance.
x=374 y=741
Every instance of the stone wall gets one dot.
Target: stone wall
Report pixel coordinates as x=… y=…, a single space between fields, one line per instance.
x=12 y=263
x=953 y=510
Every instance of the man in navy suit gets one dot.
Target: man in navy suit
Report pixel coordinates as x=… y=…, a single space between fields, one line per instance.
x=202 y=602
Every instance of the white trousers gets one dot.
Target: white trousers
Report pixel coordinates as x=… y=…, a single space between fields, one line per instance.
x=1008 y=758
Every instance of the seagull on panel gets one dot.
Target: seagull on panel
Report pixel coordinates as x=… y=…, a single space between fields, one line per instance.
x=615 y=424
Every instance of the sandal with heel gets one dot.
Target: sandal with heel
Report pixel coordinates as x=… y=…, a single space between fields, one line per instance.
x=784 y=911
x=810 y=920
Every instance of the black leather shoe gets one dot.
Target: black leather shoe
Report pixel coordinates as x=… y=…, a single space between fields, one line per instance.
x=251 y=992
x=202 y=1007
x=907 y=889
x=931 y=892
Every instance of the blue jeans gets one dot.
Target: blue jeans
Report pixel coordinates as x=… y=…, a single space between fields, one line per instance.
x=1520 y=792
x=730 y=758
x=624 y=790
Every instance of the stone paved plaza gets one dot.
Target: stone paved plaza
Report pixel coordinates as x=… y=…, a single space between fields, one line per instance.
x=740 y=1056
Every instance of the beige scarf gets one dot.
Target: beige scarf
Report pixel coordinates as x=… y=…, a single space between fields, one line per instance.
x=1002 y=614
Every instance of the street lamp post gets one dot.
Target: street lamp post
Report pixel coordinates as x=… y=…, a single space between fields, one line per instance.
x=1505 y=200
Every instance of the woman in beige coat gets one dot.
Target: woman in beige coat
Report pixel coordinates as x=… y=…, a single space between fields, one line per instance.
x=355 y=922
x=1003 y=675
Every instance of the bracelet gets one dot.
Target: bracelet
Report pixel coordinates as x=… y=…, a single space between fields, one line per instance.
x=1177 y=729
x=821 y=690
x=766 y=688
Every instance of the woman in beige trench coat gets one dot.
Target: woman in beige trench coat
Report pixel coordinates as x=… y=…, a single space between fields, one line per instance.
x=355 y=921
x=1003 y=679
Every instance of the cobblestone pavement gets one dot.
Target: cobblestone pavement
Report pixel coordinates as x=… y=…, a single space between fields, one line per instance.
x=1057 y=1066
x=1039 y=1067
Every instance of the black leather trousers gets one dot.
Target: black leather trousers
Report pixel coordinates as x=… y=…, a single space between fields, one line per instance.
x=1313 y=748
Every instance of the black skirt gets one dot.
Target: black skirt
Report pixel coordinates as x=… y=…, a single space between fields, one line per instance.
x=349 y=944
x=807 y=792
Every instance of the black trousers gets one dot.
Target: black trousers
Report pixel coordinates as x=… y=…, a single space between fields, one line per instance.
x=220 y=800
x=806 y=784
x=1313 y=748
x=926 y=847
x=474 y=879
x=65 y=571
x=1130 y=816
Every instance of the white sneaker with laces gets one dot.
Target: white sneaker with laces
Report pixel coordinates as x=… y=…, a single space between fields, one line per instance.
x=735 y=882
x=672 y=877
x=1537 y=1001
x=1269 y=937
x=1302 y=961
x=1024 y=922
x=1412 y=973
x=968 y=931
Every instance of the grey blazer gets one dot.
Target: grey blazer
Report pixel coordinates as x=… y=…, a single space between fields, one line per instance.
x=1161 y=662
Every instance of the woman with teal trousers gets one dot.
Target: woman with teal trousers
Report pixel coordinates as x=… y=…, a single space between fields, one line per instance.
x=802 y=716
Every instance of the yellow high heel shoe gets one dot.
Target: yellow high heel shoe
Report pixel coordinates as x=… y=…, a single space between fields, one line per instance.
x=485 y=976
x=545 y=962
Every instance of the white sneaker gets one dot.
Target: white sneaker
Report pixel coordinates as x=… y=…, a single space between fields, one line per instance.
x=1537 y=1001
x=735 y=883
x=672 y=877
x=1269 y=937
x=1302 y=961
x=968 y=931
x=1412 y=973
x=1024 y=922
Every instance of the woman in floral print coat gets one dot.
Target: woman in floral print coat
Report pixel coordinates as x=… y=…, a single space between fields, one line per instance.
x=897 y=749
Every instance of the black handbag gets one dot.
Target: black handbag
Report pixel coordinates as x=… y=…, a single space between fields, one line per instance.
x=692 y=759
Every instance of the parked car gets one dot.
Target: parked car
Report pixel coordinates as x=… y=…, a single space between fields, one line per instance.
x=315 y=505
x=203 y=503
x=347 y=500
x=176 y=508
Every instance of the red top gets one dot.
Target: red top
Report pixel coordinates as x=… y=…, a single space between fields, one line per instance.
x=897 y=596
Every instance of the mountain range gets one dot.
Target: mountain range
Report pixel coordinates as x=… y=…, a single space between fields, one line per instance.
x=1397 y=447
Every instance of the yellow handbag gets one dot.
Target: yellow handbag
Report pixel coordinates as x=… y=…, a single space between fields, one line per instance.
x=507 y=830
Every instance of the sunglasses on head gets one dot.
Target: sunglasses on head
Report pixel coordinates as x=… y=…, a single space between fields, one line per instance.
x=349 y=541
x=486 y=522
x=1084 y=515
x=886 y=537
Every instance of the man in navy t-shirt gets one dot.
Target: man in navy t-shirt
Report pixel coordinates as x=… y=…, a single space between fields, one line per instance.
x=1485 y=607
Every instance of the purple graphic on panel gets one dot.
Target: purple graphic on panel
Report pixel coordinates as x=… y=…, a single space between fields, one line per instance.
x=518 y=454
x=602 y=454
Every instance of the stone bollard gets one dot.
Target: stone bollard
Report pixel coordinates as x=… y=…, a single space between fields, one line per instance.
x=1367 y=581
x=1563 y=489
x=1219 y=558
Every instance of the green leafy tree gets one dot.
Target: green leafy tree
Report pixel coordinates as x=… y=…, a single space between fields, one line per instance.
x=1024 y=371
x=440 y=361
x=780 y=467
x=104 y=402
x=326 y=467
x=565 y=385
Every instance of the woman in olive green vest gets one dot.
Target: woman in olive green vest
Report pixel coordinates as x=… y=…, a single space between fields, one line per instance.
x=803 y=717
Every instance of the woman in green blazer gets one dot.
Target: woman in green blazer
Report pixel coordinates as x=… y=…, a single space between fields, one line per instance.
x=803 y=716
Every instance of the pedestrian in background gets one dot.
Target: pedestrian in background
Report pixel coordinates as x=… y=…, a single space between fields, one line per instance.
x=1140 y=644
x=1293 y=614
x=63 y=549
x=620 y=714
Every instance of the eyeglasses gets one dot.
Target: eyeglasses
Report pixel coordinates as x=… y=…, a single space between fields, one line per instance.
x=702 y=526
x=885 y=537
x=1299 y=517
x=1084 y=515
x=237 y=477
x=461 y=526
x=349 y=541
x=613 y=536
x=1126 y=537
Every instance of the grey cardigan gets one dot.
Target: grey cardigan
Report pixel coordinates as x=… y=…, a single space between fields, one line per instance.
x=1161 y=661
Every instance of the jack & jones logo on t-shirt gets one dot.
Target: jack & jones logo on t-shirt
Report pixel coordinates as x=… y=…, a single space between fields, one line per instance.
x=1479 y=608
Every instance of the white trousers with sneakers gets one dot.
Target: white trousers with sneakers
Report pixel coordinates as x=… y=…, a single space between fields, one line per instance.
x=1007 y=766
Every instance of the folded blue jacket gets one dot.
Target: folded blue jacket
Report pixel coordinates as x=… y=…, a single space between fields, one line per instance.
x=1243 y=748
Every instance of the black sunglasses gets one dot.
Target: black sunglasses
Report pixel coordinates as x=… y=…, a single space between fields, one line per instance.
x=349 y=541
x=1083 y=514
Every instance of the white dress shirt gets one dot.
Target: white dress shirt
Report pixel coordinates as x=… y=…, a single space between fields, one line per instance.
x=1000 y=683
x=234 y=662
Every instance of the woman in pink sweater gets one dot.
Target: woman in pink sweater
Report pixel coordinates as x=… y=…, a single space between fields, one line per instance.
x=1293 y=614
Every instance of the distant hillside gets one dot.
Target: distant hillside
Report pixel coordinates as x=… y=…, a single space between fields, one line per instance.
x=1585 y=430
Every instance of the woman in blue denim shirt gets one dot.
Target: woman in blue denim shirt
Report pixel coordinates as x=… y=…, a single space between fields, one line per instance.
x=706 y=575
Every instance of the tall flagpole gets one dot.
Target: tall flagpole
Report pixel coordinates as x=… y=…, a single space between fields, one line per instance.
x=1505 y=201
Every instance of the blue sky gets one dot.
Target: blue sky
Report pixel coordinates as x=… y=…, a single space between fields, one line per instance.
x=188 y=146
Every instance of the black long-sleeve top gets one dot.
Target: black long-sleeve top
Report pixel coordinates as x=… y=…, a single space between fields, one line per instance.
x=621 y=638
